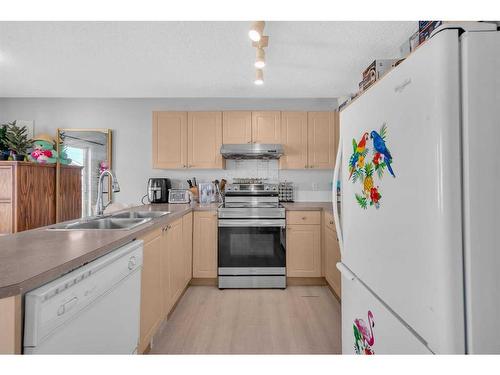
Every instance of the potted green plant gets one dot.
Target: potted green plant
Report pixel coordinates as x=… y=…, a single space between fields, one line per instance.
x=17 y=141
x=4 y=149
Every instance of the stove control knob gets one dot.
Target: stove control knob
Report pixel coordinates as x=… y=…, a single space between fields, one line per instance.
x=266 y=188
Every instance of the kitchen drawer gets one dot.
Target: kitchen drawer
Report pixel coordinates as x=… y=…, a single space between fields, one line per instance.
x=303 y=217
x=329 y=223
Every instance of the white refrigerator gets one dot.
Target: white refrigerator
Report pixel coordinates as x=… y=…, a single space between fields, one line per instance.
x=420 y=202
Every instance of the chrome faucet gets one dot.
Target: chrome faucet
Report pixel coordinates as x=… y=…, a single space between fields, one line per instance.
x=100 y=206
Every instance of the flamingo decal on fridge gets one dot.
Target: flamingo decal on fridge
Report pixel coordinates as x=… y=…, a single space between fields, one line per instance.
x=363 y=335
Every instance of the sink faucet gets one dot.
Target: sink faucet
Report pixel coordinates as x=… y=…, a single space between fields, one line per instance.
x=100 y=206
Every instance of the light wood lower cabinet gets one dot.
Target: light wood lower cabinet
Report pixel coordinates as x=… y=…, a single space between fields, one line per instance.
x=332 y=255
x=187 y=234
x=303 y=250
x=166 y=272
x=151 y=287
x=205 y=244
x=11 y=321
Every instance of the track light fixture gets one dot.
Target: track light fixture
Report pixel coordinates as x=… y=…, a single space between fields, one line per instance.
x=256 y=30
x=259 y=77
x=260 y=59
x=259 y=41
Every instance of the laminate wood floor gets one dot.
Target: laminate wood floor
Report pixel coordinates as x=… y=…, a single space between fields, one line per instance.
x=298 y=320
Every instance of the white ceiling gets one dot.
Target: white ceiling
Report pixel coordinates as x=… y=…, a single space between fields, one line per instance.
x=189 y=59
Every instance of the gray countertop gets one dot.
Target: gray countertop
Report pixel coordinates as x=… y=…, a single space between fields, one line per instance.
x=35 y=257
x=32 y=258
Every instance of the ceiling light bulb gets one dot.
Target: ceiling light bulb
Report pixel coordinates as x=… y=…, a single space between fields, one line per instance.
x=256 y=31
x=259 y=77
x=260 y=59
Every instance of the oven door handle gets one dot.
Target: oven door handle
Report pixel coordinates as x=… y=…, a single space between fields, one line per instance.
x=253 y=223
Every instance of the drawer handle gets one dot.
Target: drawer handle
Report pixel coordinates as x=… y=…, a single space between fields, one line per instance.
x=304 y=218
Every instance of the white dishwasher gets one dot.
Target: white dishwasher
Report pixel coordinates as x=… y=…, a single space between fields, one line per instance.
x=94 y=309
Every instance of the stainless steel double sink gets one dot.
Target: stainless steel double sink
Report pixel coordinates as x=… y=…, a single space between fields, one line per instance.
x=121 y=220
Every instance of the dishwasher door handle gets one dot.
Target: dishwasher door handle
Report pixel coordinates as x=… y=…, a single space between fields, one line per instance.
x=65 y=307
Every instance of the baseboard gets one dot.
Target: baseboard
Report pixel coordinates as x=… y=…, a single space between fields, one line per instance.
x=306 y=281
x=334 y=294
x=209 y=281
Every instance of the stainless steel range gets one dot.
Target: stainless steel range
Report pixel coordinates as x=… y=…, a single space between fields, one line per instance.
x=252 y=236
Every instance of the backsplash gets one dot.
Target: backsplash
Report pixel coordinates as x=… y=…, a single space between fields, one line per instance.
x=310 y=185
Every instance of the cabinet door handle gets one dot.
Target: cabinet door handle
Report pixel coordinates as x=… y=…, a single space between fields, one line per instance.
x=331 y=222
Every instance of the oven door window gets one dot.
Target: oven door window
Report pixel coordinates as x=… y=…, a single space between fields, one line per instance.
x=251 y=247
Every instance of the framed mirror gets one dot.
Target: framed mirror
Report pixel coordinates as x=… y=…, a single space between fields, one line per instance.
x=86 y=152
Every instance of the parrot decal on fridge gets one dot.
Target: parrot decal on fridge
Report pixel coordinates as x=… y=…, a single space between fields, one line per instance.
x=363 y=171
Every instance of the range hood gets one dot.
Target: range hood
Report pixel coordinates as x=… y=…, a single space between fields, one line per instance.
x=251 y=151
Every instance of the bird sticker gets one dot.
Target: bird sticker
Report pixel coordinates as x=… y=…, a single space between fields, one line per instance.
x=365 y=167
x=363 y=335
x=359 y=152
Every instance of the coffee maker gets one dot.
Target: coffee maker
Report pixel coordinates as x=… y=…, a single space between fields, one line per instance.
x=158 y=190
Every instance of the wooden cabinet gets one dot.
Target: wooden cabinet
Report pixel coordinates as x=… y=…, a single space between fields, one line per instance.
x=310 y=139
x=204 y=140
x=205 y=244
x=170 y=147
x=193 y=139
x=237 y=127
x=28 y=195
x=187 y=140
x=166 y=272
x=303 y=247
x=176 y=263
x=11 y=323
x=266 y=127
x=321 y=139
x=294 y=140
x=303 y=217
x=332 y=256
x=151 y=287
x=187 y=243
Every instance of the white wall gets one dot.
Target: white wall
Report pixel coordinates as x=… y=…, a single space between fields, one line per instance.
x=130 y=120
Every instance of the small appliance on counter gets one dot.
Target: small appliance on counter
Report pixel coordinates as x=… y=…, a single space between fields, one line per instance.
x=158 y=190
x=178 y=196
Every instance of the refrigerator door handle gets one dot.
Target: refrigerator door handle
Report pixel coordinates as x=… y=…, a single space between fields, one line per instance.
x=346 y=272
x=336 y=215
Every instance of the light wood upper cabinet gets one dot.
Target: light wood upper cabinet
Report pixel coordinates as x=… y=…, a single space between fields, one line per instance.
x=237 y=127
x=204 y=140
x=294 y=140
x=151 y=288
x=187 y=233
x=266 y=127
x=321 y=140
x=205 y=244
x=170 y=148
